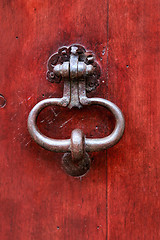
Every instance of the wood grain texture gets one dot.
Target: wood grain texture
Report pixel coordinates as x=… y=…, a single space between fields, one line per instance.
x=38 y=200
x=134 y=84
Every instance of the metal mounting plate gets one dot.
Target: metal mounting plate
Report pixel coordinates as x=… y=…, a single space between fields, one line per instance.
x=63 y=55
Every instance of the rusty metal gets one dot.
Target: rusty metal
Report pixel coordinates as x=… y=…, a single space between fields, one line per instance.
x=77 y=145
x=76 y=169
x=76 y=67
x=63 y=56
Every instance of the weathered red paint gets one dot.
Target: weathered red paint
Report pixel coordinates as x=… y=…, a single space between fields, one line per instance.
x=117 y=199
x=38 y=199
x=134 y=83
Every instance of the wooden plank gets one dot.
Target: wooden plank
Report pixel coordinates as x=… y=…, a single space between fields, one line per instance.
x=134 y=84
x=38 y=200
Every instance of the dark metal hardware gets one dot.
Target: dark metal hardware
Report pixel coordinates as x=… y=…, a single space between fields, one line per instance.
x=80 y=72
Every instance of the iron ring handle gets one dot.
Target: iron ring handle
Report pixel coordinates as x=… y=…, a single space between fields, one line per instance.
x=80 y=72
x=64 y=145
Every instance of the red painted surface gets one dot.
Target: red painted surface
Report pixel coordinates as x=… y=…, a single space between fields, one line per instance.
x=134 y=84
x=119 y=198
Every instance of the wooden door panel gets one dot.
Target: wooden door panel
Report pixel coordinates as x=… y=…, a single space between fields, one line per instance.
x=119 y=198
x=38 y=200
x=133 y=83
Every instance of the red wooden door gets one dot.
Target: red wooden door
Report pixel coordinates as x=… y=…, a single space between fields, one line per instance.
x=119 y=198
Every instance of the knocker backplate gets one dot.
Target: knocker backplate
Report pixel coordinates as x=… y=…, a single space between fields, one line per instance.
x=63 y=55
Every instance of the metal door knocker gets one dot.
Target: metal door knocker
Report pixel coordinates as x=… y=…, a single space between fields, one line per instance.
x=80 y=73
